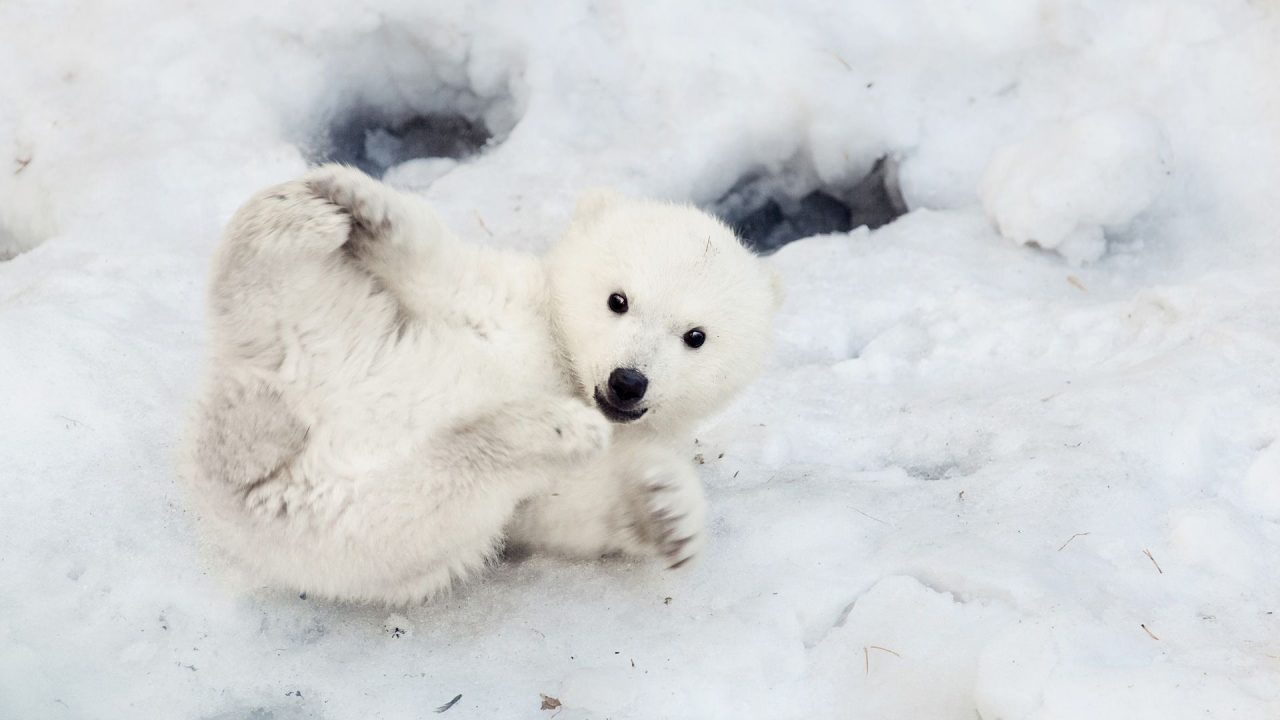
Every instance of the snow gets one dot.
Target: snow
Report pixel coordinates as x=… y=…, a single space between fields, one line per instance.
x=978 y=479
x=1065 y=188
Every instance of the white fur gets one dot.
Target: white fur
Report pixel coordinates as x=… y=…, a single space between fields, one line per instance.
x=387 y=405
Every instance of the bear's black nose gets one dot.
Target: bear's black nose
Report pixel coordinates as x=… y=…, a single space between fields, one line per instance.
x=628 y=385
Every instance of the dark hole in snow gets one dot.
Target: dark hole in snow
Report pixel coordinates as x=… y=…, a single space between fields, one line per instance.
x=374 y=142
x=769 y=211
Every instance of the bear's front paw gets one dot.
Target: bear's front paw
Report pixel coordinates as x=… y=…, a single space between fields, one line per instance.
x=580 y=431
x=368 y=201
x=670 y=512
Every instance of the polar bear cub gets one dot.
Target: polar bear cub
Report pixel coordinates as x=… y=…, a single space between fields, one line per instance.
x=386 y=406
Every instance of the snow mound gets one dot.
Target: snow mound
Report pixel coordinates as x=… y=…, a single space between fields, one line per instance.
x=904 y=650
x=1066 y=187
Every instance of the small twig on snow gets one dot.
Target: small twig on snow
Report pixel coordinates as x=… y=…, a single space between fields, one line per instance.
x=449 y=704
x=866 y=656
x=1153 y=560
x=873 y=517
x=484 y=226
x=1073 y=537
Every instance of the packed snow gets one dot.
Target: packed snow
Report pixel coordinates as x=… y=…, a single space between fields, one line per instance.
x=1017 y=454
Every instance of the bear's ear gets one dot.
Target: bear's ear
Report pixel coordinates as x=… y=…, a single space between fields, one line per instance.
x=775 y=284
x=593 y=202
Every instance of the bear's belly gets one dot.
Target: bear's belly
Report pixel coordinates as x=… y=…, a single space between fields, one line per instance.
x=436 y=377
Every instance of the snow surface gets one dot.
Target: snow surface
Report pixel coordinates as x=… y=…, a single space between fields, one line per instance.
x=978 y=480
x=1065 y=188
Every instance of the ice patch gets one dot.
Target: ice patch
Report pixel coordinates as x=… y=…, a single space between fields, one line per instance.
x=1066 y=187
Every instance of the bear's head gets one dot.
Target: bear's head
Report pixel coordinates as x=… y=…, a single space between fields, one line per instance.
x=663 y=315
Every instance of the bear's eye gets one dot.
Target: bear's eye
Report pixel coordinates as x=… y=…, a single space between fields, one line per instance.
x=618 y=303
x=694 y=338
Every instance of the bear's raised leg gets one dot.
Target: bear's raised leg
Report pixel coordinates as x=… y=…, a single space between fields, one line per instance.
x=396 y=237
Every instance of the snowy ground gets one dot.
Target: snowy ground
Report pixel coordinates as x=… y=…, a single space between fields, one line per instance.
x=1017 y=456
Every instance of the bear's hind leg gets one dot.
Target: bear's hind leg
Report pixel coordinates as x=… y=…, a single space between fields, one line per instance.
x=245 y=434
x=395 y=237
